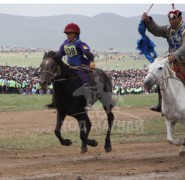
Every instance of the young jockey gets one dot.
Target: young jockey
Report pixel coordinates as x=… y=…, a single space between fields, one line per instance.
x=175 y=35
x=78 y=55
x=75 y=50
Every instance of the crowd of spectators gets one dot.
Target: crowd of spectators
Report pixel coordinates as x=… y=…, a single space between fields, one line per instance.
x=25 y=80
x=20 y=80
x=127 y=81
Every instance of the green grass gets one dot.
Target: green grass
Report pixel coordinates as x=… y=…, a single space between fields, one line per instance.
x=127 y=64
x=21 y=60
x=23 y=102
x=151 y=130
x=143 y=100
x=32 y=102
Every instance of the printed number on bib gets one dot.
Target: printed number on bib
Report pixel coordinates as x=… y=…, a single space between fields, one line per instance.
x=70 y=50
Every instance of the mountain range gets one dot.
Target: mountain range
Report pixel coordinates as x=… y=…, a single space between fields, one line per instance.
x=100 y=32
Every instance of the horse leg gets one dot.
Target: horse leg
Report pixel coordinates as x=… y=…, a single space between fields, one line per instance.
x=85 y=127
x=182 y=150
x=170 y=126
x=60 y=120
x=110 y=120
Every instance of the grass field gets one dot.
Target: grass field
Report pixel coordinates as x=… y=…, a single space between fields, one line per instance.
x=32 y=102
x=23 y=102
x=21 y=60
x=34 y=60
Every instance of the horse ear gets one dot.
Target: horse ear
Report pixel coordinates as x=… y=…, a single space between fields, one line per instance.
x=58 y=56
x=45 y=53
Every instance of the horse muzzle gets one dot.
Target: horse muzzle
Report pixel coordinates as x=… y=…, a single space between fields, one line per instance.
x=43 y=84
x=148 y=83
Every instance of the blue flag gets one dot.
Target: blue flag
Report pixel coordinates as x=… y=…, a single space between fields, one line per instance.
x=145 y=45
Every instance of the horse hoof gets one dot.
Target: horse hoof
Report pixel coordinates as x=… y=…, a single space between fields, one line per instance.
x=84 y=150
x=67 y=142
x=92 y=143
x=108 y=149
x=182 y=152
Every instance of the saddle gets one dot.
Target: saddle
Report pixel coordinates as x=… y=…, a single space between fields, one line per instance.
x=180 y=73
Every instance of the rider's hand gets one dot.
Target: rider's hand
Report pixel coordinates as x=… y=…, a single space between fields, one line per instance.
x=145 y=18
x=171 y=58
x=92 y=66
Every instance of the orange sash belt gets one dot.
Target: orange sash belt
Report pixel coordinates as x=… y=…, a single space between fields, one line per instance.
x=179 y=71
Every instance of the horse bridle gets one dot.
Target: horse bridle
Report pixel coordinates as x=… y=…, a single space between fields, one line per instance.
x=54 y=75
x=158 y=80
x=163 y=79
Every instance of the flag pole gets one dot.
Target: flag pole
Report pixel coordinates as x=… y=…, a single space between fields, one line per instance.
x=149 y=8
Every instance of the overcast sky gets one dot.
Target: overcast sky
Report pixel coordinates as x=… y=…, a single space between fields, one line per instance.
x=125 y=10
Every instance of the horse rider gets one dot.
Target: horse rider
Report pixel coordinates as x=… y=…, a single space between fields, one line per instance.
x=79 y=56
x=175 y=35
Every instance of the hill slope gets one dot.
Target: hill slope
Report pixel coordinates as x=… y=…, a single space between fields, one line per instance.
x=100 y=32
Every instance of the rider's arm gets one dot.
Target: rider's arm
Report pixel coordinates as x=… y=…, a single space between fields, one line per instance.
x=152 y=27
x=179 y=54
x=86 y=51
x=89 y=56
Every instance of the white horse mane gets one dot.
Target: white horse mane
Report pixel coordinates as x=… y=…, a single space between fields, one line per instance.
x=166 y=66
x=159 y=59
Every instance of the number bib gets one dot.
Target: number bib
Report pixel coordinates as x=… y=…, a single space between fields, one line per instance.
x=70 y=50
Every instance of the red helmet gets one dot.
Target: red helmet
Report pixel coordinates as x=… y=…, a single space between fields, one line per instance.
x=74 y=28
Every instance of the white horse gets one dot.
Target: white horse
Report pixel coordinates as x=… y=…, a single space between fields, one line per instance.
x=173 y=96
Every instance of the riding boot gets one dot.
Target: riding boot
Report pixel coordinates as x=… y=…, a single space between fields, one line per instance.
x=52 y=104
x=158 y=107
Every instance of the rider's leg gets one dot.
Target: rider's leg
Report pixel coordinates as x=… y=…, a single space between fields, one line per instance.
x=90 y=90
x=86 y=79
x=88 y=96
x=158 y=107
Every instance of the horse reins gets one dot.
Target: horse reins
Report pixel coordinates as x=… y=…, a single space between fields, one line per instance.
x=65 y=79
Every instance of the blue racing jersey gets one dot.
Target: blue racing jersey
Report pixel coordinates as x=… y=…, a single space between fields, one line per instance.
x=75 y=51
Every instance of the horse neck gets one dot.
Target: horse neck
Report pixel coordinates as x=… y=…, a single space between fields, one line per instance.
x=171 y=86
x=67 y=79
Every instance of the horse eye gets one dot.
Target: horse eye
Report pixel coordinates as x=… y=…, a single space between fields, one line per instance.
x=160 y=68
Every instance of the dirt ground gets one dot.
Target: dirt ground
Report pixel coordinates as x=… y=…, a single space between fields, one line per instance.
x=126 y=161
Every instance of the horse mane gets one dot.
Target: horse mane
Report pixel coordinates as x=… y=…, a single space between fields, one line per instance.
x=169 y=71
x=52 y=54
x=72 y=80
